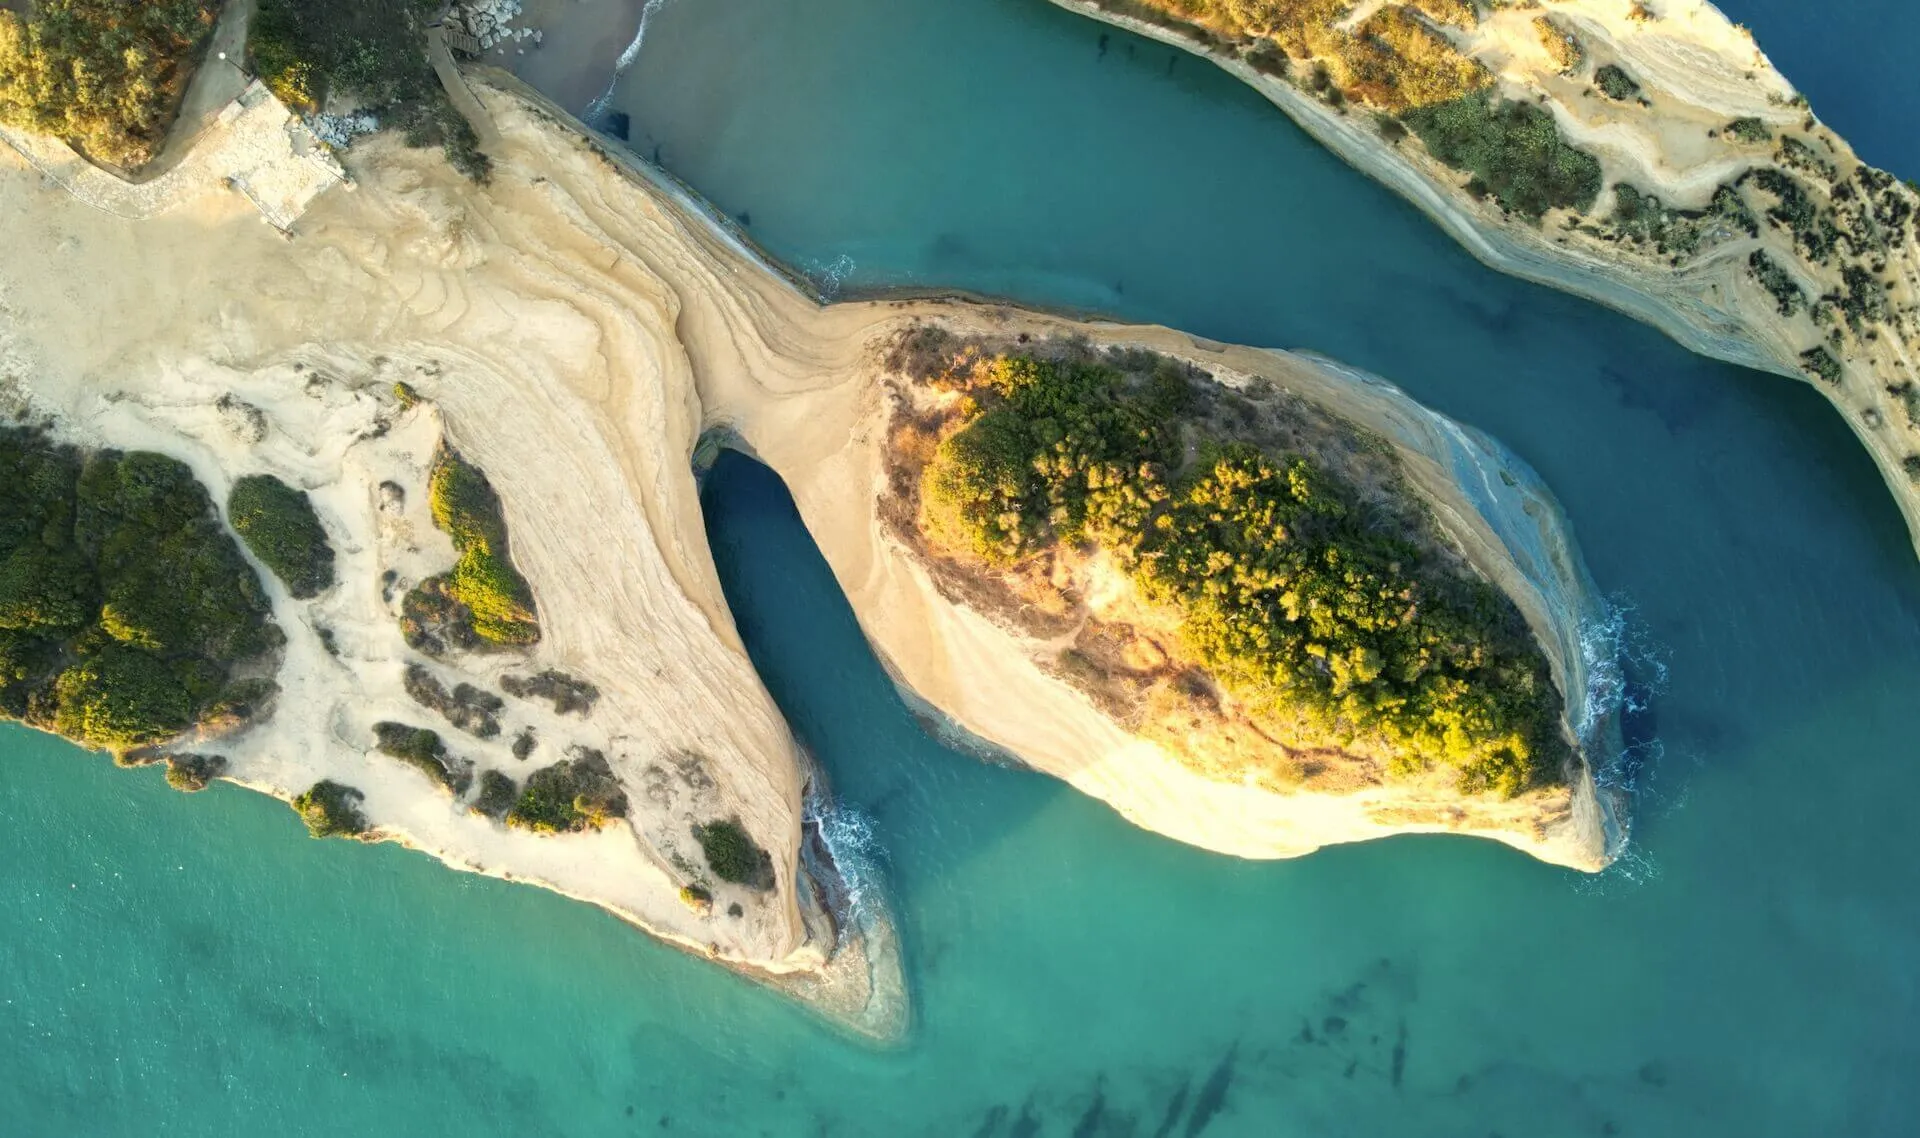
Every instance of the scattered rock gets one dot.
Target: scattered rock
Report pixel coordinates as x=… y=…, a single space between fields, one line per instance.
x=245 y=422
x=189 y=773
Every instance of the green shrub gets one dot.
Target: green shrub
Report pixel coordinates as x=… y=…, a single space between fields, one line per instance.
x=570 y=796
x=417 y=747
x=1731 y=207
x=119 y=698
x=1820 y=364
x=732 y=855
x=1391 y=61
x=497 y=795
x=191 y=774
x=1642 y=218
x=1563 y=47
x=279 y=525
x=376 y=49
x=1749 y=130
x=1616 y=84
x=1515 y=150
x=331 y=810
x=1813 y=229
x=498 y=599
x=1798 y=155
x=1787 y=294
x=124 y=605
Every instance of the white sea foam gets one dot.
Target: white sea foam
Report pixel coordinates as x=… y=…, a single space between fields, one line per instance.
x=627 y=59
x=855 y=849
x=831 y=276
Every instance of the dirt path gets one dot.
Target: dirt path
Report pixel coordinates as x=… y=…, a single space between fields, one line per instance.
x=457 y=90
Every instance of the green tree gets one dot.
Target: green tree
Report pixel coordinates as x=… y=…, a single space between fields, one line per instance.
x=120 y=698
x=279 y=524
x=102 y=74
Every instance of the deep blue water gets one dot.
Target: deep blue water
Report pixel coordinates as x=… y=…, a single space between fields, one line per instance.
x=194 y=966
x=1853 y=60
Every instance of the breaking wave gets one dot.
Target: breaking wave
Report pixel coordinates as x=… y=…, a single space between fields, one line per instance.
x=1626 y=669
x=857 y=859
x=829 y=277
x=627 y=59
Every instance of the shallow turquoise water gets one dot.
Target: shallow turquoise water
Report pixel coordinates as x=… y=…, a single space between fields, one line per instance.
x=195 y=966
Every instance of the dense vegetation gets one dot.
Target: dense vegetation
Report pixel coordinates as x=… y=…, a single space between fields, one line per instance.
x=331 y=810
x=1391 y=60
x=471 y=709
x=732 y=854
x=376 y=49
x=1514 y=152
x=279 y=525
x=102 y=74
x=1285 y=591
x=1814 y=233
x=578 y=793
x=487 y=595
x=1643 y=219
x=1820 y=364
x=124 y=607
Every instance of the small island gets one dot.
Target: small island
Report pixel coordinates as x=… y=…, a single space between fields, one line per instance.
x=1246 y=579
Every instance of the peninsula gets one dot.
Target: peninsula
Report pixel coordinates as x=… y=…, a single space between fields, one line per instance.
x=1642 y=153
x=426 y=472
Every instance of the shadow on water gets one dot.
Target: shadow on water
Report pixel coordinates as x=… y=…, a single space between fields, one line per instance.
x=806 y=643
x=809 y=650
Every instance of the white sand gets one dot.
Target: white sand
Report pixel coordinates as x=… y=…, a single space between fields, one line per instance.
x=1698 y=71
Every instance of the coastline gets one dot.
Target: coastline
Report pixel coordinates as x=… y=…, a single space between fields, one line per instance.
x=830 y=414
x=1710 y=307
x=577 y=339
x=403 y=280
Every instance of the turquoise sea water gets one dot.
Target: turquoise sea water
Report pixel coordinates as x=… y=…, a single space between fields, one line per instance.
x=196 y=966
